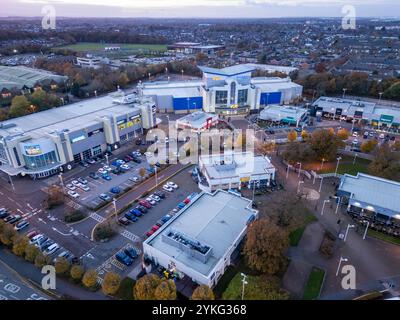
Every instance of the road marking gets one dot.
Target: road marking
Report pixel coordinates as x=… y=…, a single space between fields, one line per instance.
x=129 y=235
x=97 y=217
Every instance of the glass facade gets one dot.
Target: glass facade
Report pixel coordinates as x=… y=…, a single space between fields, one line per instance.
x=242 y=96
x=41 y=161
x=221 y=97
x=233 y=92
x=97 y=150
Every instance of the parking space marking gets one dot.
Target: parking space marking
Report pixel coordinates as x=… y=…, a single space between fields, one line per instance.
x=97 y=217
x=129 y=235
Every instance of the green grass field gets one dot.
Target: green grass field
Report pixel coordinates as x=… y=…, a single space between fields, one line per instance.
x=314 y=284
x=383 y=237
x=345 y=166
x=92 y=46
x=295 y=236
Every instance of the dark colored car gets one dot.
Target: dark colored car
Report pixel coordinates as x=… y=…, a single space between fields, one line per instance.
x=166 y=218
x=14 y=219
x=160 y=194
x=21 y=225
x=131 y=252
x=271 y=131
x=115 y=190
x=94 y=175
x=136 y=212
x=138 y=142
x=84 y=164
x=131 y=217
x=128 y=158
x=137 y=160
x=106 y=177
x=117 y=171
x=123 y=258
x=4 y=214
x=142 y=209
x=124 y=221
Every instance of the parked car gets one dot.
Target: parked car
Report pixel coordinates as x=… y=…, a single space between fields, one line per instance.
x=107 y=168
x=91 y=161
x=124 y=221
x=106 y=177
x=102 y=171
x=149 y=233
x=167 y=188
x=94 y=175
x=271 y=131
x=82 y=180
x=123 y=258
x=131 y=252
x=21 y=225
x=172 y=185
x=142 y=209
x=84 y=187
x=131 y=217
x=84 y=164
x=134 y=179
x=51 y=249
x=105 y=197
x=32 y=234
x=160 y=194
x=382 y=136
x=73 y=194
x=70 y=186
x=136 y=154
x=166 y=218
x=151 y=201
x=136 y=212
x=117 y=171
x=125 y=167
x=181 y=205
x=46 y=244
x=186 y=201
x=14 y=219
x=155 y=228
x=128 y=158
x=4 y=214
x=155 y=197
x=115 y=190
x=36 y=238
x=145 y=204
x=75 y=182
x=136 y=160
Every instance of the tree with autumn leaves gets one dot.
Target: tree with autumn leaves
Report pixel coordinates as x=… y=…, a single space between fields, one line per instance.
x=265 y=246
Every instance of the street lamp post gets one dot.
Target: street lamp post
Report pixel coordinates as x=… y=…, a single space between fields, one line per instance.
x=244 y=282
x=62 y=182
x=353 y=121
x=344 y=92
x=299 y=163
x=355 y=157
x=349 y=226
x=337 y=165
x=380 y=96
x=287 y=171
x=322 y=163
x=338 y=204
x=188 y=101
x=340 y=263
x=366 y=229
x=323 y=206
x=106 y=155
x=298 y=186
x=320 y=185
x=114 y=201
x=155 y=171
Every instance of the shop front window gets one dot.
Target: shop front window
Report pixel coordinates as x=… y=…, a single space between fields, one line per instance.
x=40 y=161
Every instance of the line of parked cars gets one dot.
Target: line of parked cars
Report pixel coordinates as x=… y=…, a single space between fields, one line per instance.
x=142 y=208
x=127 y=256
x=49 y=247
x=168 y=216
x=13 y=219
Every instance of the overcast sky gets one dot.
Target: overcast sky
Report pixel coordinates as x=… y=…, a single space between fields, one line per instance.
x=201 y=8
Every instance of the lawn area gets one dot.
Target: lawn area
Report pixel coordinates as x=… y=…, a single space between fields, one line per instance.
x=314 y=284
x=345 y=166
x=384 y=237
x=93 y=46
x=296 y=235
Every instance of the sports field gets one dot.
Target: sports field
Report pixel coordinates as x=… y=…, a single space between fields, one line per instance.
x=93 y=46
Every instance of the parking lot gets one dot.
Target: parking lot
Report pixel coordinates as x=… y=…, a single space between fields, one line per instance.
x=102 y=257
x=99 y=185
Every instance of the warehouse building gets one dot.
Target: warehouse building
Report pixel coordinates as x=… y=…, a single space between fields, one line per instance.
x=284 y=114
x=347 y=109
x=202 y=239
x=25 y=79
x=47 y=142
x=234 y=171
x=197 y=121
x=227 y=91
x=371 y=197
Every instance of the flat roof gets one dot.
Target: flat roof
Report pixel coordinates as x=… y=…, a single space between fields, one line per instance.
x=215 y=219
x=228 y=71
x=178 y=89
x=196 y=119
x=19 y=76
x=72 y=117
x=273 y=84
x=238 y=164
x=374 y=191
x=276 y=113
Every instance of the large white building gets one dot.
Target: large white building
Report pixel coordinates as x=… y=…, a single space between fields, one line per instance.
x=284 y=114
x=197 y=121
x=201 y=240
x=51 y=141
x=234 y=170
x=227 y=91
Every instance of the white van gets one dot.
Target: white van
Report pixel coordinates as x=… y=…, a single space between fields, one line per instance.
x=53 y=248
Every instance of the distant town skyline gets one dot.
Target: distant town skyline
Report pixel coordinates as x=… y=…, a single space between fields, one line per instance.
x=201 y=8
